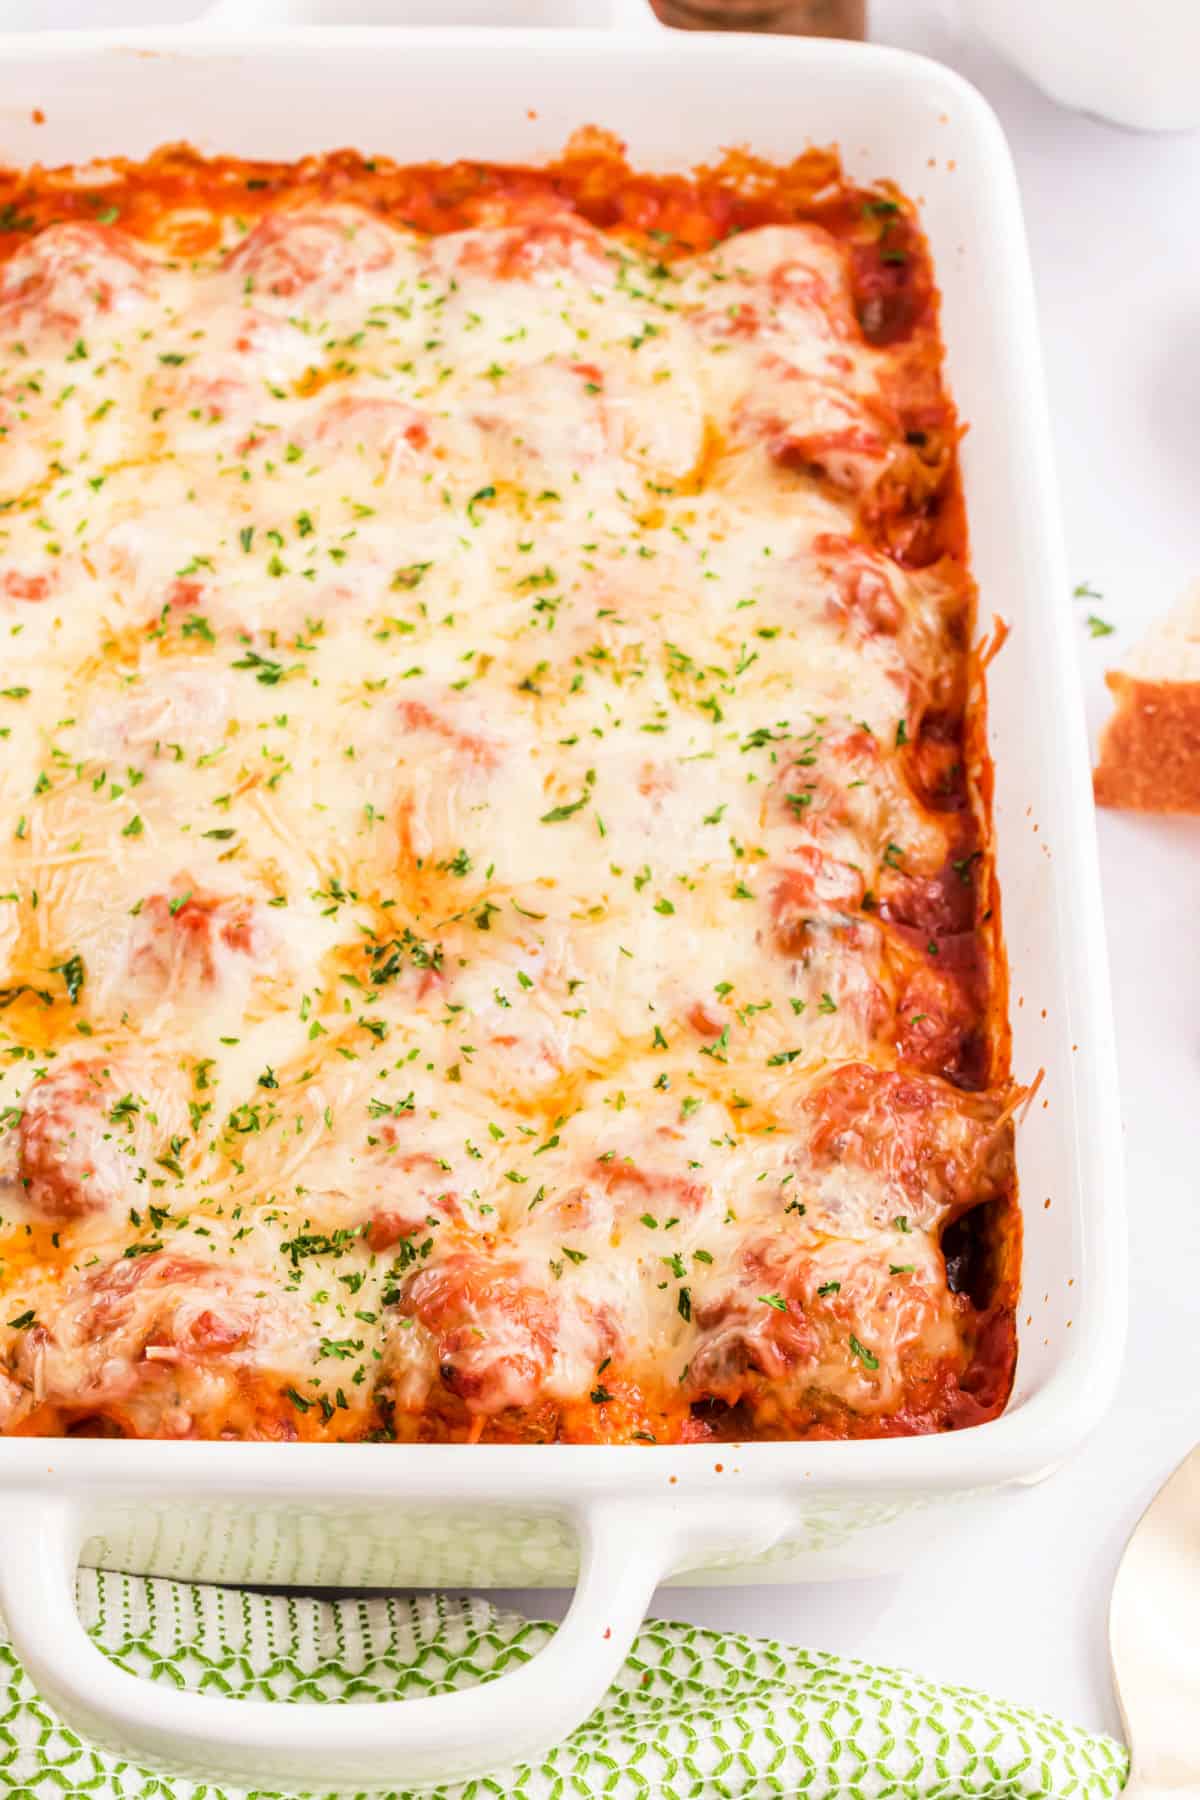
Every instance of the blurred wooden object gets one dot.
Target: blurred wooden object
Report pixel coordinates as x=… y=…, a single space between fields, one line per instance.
x=802 y=18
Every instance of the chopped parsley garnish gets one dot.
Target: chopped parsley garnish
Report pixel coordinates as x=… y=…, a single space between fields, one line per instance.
x=558 y=813
x=266 y=670
x=74 y=976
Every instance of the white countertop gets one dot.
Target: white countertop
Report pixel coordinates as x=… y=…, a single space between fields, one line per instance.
x=1014 y=1594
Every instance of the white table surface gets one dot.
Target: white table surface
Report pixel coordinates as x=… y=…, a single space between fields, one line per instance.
x=1012 y=1597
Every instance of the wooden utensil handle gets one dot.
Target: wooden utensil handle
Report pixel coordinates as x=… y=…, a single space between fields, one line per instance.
x=801 y=18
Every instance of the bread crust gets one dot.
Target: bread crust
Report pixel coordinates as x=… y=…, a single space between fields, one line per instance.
x=1150 y=749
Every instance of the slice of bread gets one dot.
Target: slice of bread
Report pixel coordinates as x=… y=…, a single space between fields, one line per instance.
x=1150 y=748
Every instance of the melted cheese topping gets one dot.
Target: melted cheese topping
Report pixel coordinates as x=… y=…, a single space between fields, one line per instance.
x=481 y=947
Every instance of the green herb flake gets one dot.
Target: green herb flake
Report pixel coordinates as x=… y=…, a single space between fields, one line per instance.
x=74 y=975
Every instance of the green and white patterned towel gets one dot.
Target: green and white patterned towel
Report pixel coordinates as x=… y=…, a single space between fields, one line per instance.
x=696 y=1715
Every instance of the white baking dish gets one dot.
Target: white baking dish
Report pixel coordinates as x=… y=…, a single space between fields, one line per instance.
x=626 y=1518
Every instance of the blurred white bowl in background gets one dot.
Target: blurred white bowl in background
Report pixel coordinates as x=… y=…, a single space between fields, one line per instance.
x=1136 y=62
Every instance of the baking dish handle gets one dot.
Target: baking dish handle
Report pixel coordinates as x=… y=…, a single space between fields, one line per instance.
x=624 y=1552
x=626 y=16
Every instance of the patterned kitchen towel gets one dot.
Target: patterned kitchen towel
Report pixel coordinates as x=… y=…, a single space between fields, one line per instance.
x=696 y=1715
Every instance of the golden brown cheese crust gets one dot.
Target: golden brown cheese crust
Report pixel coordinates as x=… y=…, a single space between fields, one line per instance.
x=499 y=928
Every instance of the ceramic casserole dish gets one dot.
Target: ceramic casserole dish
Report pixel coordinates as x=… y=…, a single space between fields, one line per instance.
x=512 y=84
